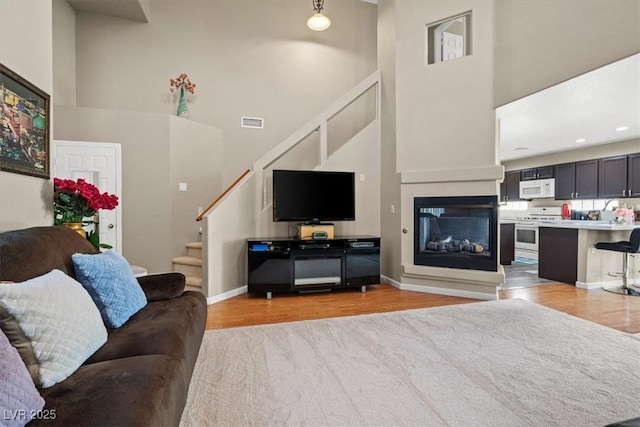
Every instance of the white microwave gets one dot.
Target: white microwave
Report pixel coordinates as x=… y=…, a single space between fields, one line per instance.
x=538 y=188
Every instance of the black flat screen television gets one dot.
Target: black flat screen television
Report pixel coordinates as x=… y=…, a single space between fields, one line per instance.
x=313 y=196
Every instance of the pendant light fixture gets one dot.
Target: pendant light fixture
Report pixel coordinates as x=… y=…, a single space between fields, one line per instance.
x=318 y=22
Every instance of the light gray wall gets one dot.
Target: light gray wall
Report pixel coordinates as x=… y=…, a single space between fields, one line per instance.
x=157 y=220
x=26 y=201
x=64 y=53
x=195 y=158
x=248 y=58
x=542 y=43
x=241 y=66
x=390 y=181
x=445 y=115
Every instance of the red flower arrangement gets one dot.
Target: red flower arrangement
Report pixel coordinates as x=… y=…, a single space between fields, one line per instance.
x=182 y=82
x=75 y=200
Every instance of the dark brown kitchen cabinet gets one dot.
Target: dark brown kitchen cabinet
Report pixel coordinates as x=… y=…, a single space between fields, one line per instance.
x=507 y=243
x=587 y=179
x=555 y=244
x=633 y=177
x=577 y=180
x=510 y=187
x=612 y=177
x=619 y=176
x=565 y=181
x=536 y=173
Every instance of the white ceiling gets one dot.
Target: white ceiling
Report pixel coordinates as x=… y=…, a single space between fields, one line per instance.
x=590 y=107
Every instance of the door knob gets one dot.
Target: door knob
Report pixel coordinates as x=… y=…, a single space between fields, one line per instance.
x=110 y=226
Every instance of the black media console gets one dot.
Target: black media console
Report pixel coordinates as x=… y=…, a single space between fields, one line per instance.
x=295 y=265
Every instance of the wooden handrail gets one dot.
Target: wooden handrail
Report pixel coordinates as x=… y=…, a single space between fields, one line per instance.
x=224 y=193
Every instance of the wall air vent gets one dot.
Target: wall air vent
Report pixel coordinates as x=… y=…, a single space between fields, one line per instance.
x=252 y=122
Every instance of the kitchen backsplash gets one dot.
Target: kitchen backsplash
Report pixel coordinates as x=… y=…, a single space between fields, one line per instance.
x=576 y=214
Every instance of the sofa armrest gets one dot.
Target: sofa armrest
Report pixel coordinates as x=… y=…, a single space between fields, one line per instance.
x=163 y=286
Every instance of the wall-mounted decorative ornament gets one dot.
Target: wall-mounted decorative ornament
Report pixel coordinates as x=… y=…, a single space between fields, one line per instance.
x=182 y=83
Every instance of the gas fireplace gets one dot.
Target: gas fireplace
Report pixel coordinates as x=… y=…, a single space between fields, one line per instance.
x=456 y=232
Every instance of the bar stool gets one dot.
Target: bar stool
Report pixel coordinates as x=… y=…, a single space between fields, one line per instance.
x=627 y=248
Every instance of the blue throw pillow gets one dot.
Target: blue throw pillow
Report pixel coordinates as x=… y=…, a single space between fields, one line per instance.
x=109 y=280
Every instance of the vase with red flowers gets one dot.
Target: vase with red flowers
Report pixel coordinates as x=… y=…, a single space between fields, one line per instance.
x=76 y=204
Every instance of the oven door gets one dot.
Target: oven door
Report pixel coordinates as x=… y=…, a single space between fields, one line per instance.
x=526 y=241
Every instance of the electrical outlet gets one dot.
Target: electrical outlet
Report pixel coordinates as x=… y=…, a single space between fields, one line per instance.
x=182 y=186
x=361 y=177
x=393 y=208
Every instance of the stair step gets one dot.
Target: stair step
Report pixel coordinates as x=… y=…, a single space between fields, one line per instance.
x=193 y=288
x=188 y=270
x=194 y=250
x=188 y=260
x=194 y=281
x=191 y=266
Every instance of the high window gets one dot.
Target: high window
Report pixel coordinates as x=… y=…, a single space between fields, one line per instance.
x=449 y=39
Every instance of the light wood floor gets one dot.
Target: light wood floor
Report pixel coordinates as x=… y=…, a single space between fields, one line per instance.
x=608 y=309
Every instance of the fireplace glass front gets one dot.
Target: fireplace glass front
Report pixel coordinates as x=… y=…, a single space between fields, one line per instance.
x=456 y=232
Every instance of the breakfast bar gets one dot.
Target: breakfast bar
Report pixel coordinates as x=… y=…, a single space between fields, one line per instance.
x=567 y=252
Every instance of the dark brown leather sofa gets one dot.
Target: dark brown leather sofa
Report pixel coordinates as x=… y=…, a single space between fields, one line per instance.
x=141 y=376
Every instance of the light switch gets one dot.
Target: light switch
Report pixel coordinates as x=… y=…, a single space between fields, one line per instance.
x=182 y=186
x=361 y=177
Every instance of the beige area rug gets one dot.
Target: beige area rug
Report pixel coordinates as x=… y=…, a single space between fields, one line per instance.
x=498 y=363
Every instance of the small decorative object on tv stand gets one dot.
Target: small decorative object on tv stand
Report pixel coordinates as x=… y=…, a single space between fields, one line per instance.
x=307 y=231
x=307 y=265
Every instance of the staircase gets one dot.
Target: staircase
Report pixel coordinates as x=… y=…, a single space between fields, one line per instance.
x=191 y=266
x=251 y=192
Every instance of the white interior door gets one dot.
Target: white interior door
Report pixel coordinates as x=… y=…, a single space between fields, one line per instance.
x=452 y=46
x=449 y=40
x=99 y=163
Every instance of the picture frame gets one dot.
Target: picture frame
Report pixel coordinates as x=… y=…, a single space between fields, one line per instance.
x=24 y=126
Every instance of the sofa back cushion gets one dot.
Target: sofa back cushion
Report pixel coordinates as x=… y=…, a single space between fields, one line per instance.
x=32 y=252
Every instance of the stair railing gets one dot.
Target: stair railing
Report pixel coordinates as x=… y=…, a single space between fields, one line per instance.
x=221 y=196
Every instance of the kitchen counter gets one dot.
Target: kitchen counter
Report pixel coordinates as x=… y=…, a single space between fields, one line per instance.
x=587 y=225
x=567 y=252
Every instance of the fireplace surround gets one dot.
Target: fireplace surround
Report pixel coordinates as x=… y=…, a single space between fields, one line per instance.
x=456 y=232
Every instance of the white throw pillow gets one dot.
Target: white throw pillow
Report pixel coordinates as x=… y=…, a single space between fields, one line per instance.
x=58 y=316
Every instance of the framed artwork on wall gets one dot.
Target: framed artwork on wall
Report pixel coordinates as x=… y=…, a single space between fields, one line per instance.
x=24 y=126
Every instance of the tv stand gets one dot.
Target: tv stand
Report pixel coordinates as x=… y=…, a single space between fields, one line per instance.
x=303 y=265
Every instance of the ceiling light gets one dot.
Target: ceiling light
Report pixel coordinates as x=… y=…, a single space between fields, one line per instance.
x=621 y=128
x=581 y=140
x=318 y=21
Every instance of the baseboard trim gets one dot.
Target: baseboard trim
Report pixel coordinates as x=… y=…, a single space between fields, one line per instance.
x=598 y=285
x=439 y=291
x=226 y=295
